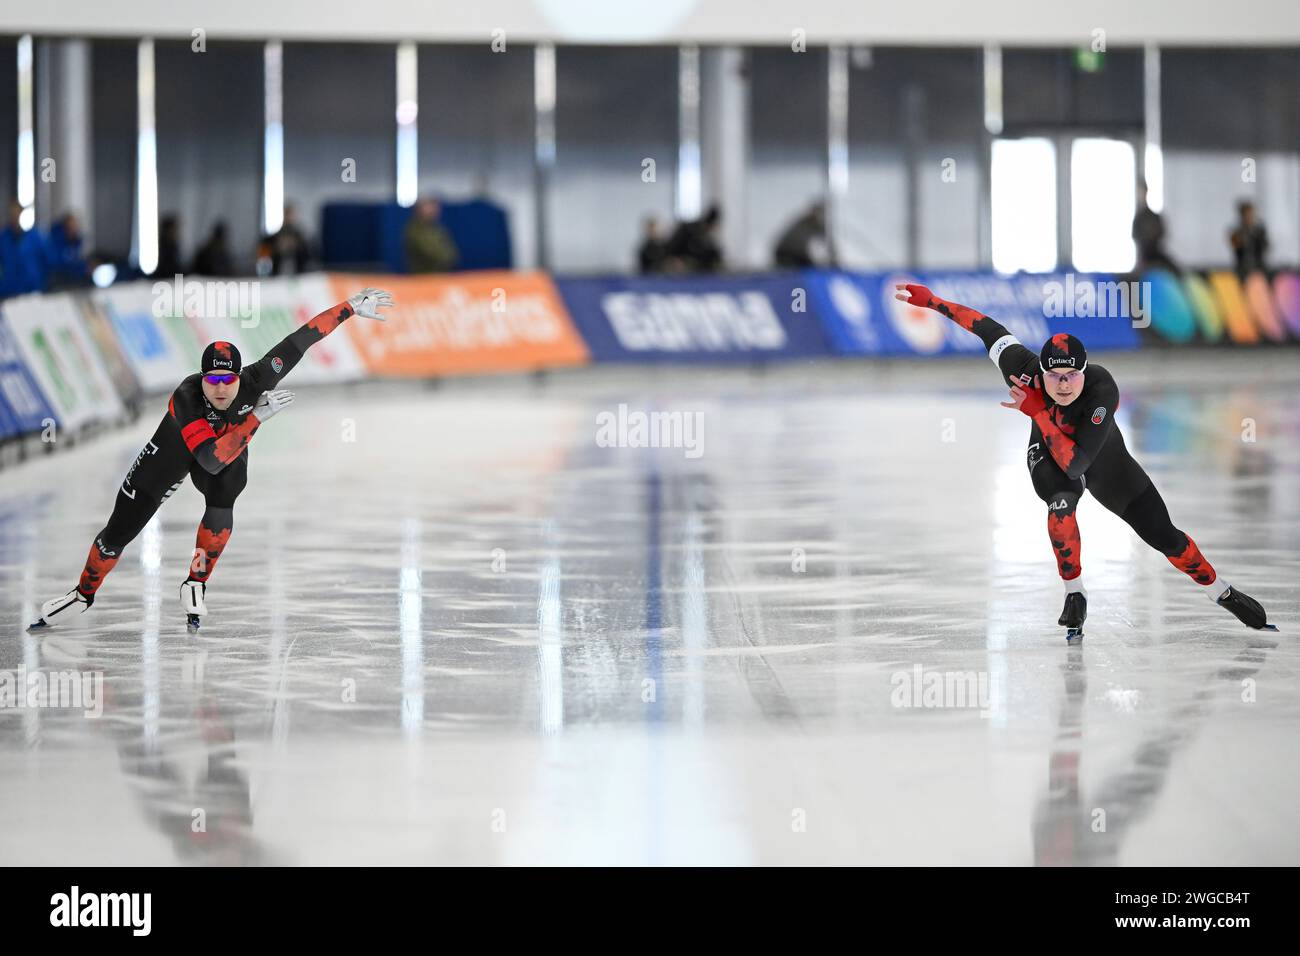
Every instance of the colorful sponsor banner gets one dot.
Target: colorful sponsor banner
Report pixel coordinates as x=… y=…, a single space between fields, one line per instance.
x=1259 y=299
x=62 y=359
x=23 y=408
x=698 y=319
x=160 y=346
x=863 y=317
x=1231 y=300
x=1286 y=290
x=1201 y=304
x=1172 y=314
x=1223 y=305
x=464 y=323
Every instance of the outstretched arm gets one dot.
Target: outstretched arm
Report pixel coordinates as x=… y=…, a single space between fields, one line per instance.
x=1004 y=348
x=267 y=371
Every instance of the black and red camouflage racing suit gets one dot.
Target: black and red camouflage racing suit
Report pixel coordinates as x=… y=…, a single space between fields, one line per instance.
x=1076 y=447
x=208 y=444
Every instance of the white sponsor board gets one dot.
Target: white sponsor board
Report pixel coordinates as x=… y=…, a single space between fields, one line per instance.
x=164 y=326
x=62 y=358
x=298 y=300
x=257 y=314
x=161 y=350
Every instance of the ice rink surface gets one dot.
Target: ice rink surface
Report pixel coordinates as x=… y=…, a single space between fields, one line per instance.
x=452 y=627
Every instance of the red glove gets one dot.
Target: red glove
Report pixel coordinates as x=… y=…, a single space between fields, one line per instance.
x=914 y=295
x=1029 y=399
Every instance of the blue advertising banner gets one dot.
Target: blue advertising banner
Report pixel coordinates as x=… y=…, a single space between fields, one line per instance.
x=695 y=319
x=23 y=408
x=862 y=316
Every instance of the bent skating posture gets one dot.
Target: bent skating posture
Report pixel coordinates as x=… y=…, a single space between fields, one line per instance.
x=211 y=417
x=1075 y=444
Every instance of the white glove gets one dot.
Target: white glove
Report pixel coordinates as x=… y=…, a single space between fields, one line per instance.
x=368 y=302
x=271 y=402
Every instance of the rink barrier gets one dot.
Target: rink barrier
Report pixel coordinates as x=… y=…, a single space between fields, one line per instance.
x=863 y=317
x=465 y=323
x=88 y=359
x=50 y=336
x=1221 y=307
x=24 y=409
x=695 y=319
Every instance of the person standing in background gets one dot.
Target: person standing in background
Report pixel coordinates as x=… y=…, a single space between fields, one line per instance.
x=805 y=242
x=1149 y=235
x=652 y=256
x=22 y=256
x=213 y=257
x=289 y=249
x=64 y=254
x=169 y=247
x=694 y=245
x=429 y=246
x=1249 y=240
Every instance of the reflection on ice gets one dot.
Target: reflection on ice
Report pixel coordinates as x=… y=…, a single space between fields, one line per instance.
x=505 y=643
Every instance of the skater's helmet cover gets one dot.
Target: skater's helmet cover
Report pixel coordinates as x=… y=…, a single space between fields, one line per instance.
x=221 y=357
x=1062 y=351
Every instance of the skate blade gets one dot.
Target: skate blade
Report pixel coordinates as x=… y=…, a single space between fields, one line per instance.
x=38 y=626
x=1266 y=627
x=1074 y=635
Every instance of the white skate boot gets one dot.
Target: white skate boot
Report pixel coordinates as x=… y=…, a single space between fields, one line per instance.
x=62 y=609
x=192 y=595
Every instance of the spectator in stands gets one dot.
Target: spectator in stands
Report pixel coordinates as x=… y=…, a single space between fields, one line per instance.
x=22 y=256
x=169 y=247
x=1149 y=234
x=1249 y=240
x=694 y=245
x=64 y=255
x=213 y=257
x=805 y=242
x=652 y=256
x=290 y=250
x=429 y=246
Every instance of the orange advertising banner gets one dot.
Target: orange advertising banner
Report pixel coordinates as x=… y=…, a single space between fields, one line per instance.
x=468 y=322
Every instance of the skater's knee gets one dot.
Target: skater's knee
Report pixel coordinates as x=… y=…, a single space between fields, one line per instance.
x=223 y=498
x=1051 y=486
x=1061 y=503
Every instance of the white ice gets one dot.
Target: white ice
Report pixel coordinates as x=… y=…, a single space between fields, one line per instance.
x=474 y=635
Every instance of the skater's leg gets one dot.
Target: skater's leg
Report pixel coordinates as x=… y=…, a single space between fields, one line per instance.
x=1061 y=494
x=219 y=493
x=214 y=532
x=129 y=517
x=1149 y=517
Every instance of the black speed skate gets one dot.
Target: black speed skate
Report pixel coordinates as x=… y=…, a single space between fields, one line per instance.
x=1246 y=609
x=1073 y=615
